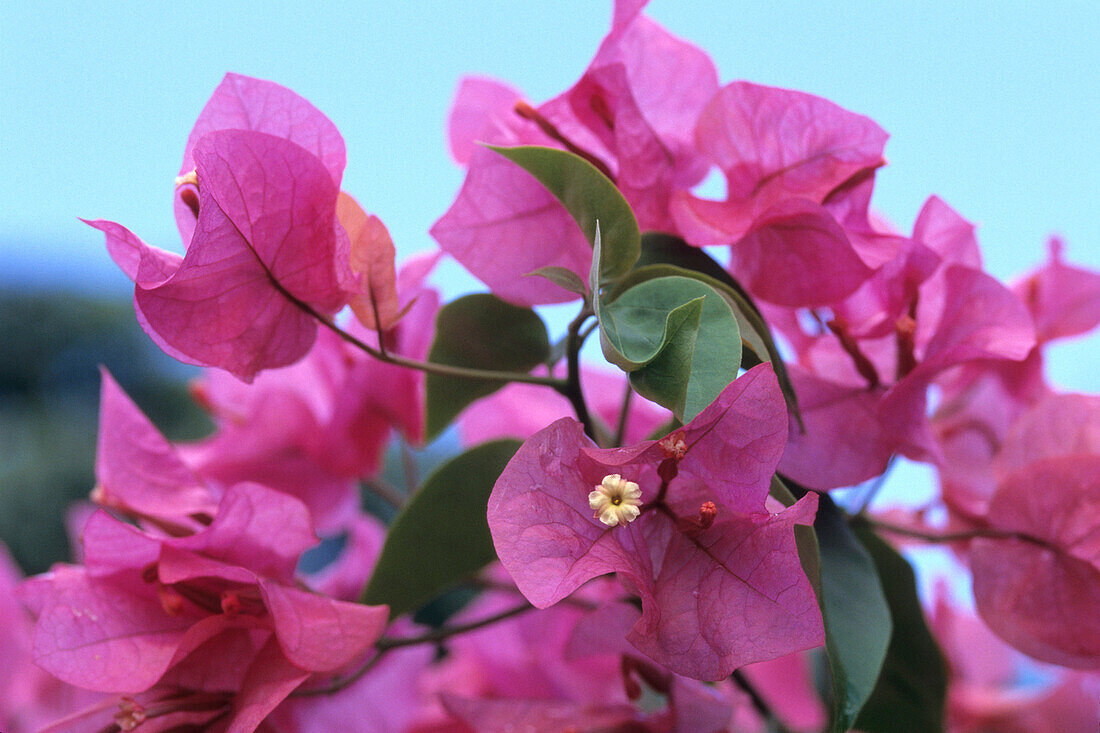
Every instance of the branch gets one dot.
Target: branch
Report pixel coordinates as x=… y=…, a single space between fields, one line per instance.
x=960 y=536
x=387 y=644
x=572 y=388
x=446 y=632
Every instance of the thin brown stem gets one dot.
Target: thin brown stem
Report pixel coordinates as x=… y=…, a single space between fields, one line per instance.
x=340 y=683
x=385 y=491
x=446 y=370
x=758 y=702
x=446 y=632
x=387 y=644
x=960 y=536
x=527 y=112
x=624 y=413
x=408 y=466
x=572 y=389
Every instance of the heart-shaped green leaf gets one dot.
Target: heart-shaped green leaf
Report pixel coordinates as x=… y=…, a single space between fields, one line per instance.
x=677 y=337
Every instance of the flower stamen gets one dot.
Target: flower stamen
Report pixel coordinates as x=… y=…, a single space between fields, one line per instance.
x=616 y=500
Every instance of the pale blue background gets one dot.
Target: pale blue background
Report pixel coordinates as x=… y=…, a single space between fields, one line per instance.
x=994 y=106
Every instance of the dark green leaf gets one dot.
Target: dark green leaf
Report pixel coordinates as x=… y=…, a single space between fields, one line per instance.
x=677 y=359
x=589 y=196
x=441 y=536
x=856 y=614
x=482 y=332
x=562 y=277
x=666 y=378
x=664 y=254
x=809 y=553
x=909 y=696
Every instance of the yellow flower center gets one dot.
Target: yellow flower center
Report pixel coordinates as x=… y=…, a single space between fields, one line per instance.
x=616 y=500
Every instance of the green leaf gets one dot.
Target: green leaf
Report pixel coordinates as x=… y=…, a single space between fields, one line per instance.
x=678 y=357
x=663 y=255
x=857 y=617
x=910 y=694
x=666 y=378
x=482 y=332
x=562 y=277
x=589 y=196
x=441 y=536
x=805 y=539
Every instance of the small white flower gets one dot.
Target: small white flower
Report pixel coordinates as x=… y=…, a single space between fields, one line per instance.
x=616 y=500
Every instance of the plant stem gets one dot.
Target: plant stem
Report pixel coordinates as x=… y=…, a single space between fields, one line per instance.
x=758 y=702
x=387 y=644
x=340 y=683
x=961 y=536
x=446 y=370
x=446 y=632
x=385 y=491
x=624 y=413
x=572 y=389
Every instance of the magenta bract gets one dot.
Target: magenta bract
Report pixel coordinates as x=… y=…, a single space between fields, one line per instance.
x=688 y=571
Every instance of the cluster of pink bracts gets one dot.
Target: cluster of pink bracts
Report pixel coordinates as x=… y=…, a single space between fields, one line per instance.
x=191 y=613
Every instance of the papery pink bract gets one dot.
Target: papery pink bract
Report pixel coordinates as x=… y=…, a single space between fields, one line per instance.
x=632 y=114
x=568 y=660
x=641 y=96
x=1040 y=591
x=145 y=605
x=689 y=579
x=988 y=687
x=244 y=103
x=799 y=239
x=264 y=245
x=314 y=428
x=482 y=110
x=1060 y=425
x=863 y=389
x=138 y=470
x=372 y=259
x=1064 y=300
x=786 y=684
x=497 y=200
x=388 y=698
x=773 y=145
x=31 y=697
x=983 y=401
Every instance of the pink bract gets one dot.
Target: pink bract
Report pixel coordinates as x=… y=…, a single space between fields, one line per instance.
x=773 y=145
x=632 y=114
x=144 y=606
x=521 y=410
x=862 y=379
x=1039 y=589
x=688 y=572
x=138 y=470
x=244 y=103
x=264 y=251
x=314 y=428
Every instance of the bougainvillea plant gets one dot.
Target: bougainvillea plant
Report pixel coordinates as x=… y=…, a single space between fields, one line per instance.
x=647 y=544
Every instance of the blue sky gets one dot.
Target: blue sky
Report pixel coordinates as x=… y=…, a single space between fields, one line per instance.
x=993 y=106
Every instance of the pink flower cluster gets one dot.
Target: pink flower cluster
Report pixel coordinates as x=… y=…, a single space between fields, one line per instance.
x=189 y=607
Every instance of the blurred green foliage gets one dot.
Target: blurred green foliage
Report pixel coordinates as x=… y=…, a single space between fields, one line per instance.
x=51 y=345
